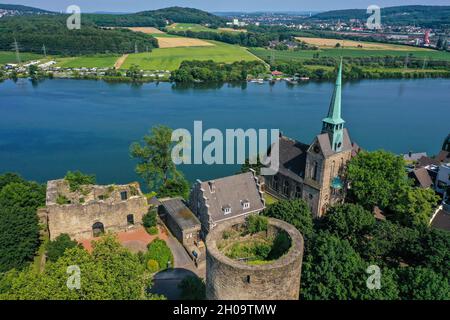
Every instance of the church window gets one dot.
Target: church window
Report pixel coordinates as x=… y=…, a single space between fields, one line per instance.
x=315 y=171
x=275 y=183
x=298 y=192
x=286 y=189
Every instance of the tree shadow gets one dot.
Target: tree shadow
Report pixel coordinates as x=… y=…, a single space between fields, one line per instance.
x=166 y=282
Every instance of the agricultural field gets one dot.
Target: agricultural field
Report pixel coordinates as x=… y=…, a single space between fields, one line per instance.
x=175 y=42
x=171 y=58
x=10 y=57
x=146 y=30
x=97 y=61
x=291 y=55
x=325 y=43
x=189 y=27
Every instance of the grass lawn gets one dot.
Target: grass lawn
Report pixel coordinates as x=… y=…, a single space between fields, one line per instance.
x=171 y=58
x=10 y=57
x=290 y=55
x=97 y=61
x=269 y=199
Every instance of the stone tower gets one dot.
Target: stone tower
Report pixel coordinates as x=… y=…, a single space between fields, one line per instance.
x=229 y=279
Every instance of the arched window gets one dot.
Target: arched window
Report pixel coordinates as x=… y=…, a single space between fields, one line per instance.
x=130 y=219
x=315 y=171
x=286 y=188
x=275 y=183
x=298 y=192
x=98 y=229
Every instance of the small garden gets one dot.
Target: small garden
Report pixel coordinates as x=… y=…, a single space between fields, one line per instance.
x=255 y=242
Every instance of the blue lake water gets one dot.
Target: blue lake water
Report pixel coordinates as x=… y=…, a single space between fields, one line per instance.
x=60 y=125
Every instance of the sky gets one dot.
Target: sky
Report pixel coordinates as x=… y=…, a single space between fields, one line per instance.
x=217 y=5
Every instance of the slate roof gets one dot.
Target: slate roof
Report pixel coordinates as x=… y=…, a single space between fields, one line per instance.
x=231 y=192
x=441 y=220
x=443 y=156
x=325 y=145
x=180 y=213
x=292 y=158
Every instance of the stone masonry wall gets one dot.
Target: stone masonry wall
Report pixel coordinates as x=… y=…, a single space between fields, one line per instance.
x=227 y=279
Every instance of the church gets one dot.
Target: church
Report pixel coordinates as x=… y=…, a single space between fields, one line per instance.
x=316 y=172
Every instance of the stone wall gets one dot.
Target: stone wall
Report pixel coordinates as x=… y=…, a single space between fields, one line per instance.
x=227 y=279
x=77 y=219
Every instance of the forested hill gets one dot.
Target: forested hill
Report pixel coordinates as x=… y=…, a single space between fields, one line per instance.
x=33 y=32
x=22 y=10
x=156 y=18
x=426 y=16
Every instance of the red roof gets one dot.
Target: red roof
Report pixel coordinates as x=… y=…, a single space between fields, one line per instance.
x=277 y=73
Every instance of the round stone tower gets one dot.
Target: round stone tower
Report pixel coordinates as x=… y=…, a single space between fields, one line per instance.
x=232 y=279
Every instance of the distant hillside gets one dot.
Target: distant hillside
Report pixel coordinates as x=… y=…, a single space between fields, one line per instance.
x=16 y=10
x=426 y=16
x=156 y=18
x=33 y=32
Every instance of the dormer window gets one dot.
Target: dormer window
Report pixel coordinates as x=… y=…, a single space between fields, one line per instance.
x=245 y=204
x=226 y=210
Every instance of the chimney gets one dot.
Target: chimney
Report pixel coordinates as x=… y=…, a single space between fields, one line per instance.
x=410 y=154
x=212 y=186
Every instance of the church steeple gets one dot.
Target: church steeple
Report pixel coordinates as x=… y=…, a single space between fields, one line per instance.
x=333 y=124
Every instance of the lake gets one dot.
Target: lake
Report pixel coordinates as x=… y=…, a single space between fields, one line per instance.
x=54 y=126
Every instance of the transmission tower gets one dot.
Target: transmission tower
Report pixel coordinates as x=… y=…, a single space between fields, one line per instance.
x=136 y=48
x=44 y=50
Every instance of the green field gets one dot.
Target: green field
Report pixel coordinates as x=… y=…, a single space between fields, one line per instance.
x=171 y=58
x=10 y=57
x=290 y=55
x=189 y=27
x=97 y=61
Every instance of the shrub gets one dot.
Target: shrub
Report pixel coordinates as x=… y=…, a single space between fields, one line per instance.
x=149 y=219
x=152 y=266
x=77 y=179
x=152 y=230
x=61 y=199
x=159 y=251
x=57 y=247
x=257 y=224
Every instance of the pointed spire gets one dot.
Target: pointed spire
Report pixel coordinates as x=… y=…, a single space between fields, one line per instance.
x=334 y=112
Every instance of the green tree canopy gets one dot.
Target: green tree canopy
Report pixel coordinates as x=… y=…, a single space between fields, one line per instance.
x=423 y=284
x=155 y=163
x=295 y=212
x=57 y=247
x=415 y=207
x=376 y=178
x=349 y=221
x=19 y=229
x=111 y=272
x=192 y=288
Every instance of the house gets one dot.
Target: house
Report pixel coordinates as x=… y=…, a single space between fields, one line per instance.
x=421 y=178
x=184 y=225
x=315 y=172
x=233 y=197
x=412 y=157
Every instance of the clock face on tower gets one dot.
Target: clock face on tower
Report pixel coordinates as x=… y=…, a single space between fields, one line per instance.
x=316 y=149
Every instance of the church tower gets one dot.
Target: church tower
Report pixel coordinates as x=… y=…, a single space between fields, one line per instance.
x=333 y=124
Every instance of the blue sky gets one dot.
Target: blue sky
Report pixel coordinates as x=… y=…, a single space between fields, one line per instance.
x=217 y=5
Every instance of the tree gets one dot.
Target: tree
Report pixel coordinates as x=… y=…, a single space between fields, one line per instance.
x=256 y=223
x=57 y=247
x=174 y=188
x=376 y=178
x=422 y=284
x=295 y=212
x=349 y=221
x=192 y=288
x=33 y=71
x=77 y=179
x=155 y=163
x=111 y=272
x=134 y=73
x=332 y=270
x=19 y=229
x=415 y=207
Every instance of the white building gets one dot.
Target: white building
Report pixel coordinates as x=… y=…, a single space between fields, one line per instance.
x=443 y=178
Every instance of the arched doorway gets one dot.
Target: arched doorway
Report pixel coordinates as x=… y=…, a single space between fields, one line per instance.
x=98 y=229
